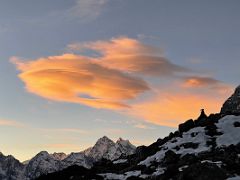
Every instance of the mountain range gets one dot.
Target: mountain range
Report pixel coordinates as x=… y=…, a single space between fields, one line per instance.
x=44 y=163
x=206 y=148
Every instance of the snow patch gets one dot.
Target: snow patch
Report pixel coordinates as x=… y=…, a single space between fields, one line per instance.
x=234 y=178
x=120 y=161
x=159 y=171
x=200 y=139
x=183 y=167
x=230 y=134
x=218 y=163
x=124 y=176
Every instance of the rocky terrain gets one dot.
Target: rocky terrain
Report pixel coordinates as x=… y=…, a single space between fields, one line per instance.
x=232 y=105
x=201 y=149
x=10 y=168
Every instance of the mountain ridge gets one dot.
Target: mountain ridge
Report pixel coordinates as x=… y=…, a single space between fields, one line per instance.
x=202 y=149
x=44 y=162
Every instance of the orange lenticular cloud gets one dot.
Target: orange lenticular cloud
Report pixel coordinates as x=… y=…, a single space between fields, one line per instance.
x=107 y=81
x=116 y=47
x=170 y=109
x=130 y=55
x=77 y=79
x=115 y=75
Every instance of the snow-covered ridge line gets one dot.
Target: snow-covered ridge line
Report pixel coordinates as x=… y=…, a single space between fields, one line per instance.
x=231 y=135
x=44 y=163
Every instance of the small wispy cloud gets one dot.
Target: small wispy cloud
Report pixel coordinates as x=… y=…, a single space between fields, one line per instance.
x=143 y=126
x=201 y=82
x=197 y=81
x=11 y=123
x=144 y=37
x=86 y=10
x=114 y=131
x=65 y=130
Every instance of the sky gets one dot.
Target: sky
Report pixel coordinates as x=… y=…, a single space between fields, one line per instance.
x=74 y=71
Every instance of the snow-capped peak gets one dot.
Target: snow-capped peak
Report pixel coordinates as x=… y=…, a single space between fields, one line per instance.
x=10 y=168
x=42 y=163
x=59 y=156
x=106 y=148
x=123 y=142
x=43 y=153
x=104 y=140
x=126 y=144
x=101 y=147
x=87 y=151
x=76 y=159
x=120 y=139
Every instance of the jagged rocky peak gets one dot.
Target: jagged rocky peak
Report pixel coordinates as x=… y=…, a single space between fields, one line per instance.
x=87 y=151
x=125 y=143
x=121 y=140
x=42 y=163
x=10 y=168
x=79 y=159
x=59 y=156
x=9 y=157
x=232 y=105
x=42 y=154
x=104 y=142
x=107 y=149
x=101 y=147
x=104 y=139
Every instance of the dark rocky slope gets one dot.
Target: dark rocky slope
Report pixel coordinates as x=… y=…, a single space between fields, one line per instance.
x=201 y=149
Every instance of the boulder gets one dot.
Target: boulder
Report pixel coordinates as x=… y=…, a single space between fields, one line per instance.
x=186 y=126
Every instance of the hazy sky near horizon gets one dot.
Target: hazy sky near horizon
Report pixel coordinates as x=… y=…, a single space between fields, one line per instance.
x=74 y=71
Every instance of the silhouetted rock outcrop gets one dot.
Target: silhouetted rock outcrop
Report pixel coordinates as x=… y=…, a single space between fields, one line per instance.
x=232 y=105
x=186 y=126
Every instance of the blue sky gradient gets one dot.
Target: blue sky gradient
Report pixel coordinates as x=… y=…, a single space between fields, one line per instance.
x=200 y=35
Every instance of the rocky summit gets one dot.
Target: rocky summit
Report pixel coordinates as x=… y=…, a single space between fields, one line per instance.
x=232 y=105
